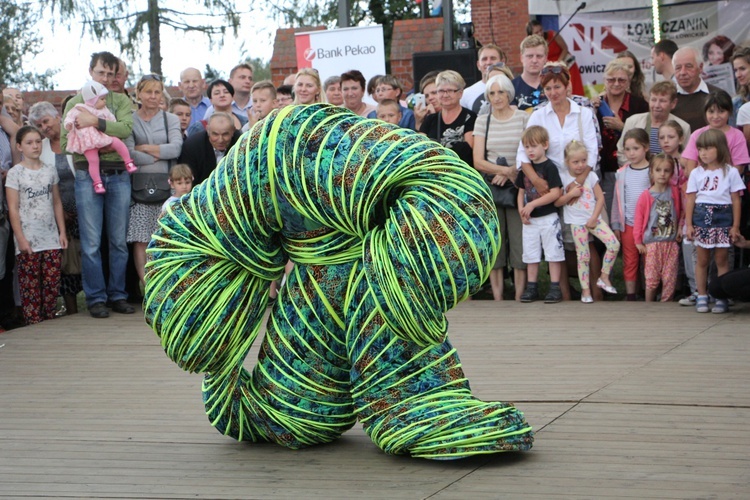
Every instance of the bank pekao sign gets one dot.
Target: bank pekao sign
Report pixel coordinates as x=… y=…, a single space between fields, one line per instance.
x=333 y=52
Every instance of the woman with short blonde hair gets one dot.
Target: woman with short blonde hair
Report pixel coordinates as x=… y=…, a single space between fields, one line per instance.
x=453 y=125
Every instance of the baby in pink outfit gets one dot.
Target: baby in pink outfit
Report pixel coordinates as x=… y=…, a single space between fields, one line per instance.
x=88 y=140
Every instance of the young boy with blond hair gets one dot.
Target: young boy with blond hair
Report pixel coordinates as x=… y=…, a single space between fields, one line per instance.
x=541 y=223
x=389 y=111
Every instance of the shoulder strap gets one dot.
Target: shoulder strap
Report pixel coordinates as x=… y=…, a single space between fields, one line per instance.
x=487 y=133
x=166 y=131
x=166 y=127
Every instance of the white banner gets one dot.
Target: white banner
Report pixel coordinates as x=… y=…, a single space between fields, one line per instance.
x=594 y=39
x=333 y=52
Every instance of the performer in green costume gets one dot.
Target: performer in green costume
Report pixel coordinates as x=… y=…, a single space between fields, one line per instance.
x=388 y=230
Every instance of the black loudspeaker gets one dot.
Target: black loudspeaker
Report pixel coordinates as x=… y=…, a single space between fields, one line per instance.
x=462 y=61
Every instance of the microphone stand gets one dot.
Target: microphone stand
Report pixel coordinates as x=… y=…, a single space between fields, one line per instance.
x=571 y=58
x=580 y=7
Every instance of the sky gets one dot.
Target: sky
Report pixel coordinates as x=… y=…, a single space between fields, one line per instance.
x=69 y=51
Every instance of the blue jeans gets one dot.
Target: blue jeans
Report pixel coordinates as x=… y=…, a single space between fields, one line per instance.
x=94 y=210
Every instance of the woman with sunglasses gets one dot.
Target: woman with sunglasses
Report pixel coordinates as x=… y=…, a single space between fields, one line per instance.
x=565 y=121
x=557 y=50
x=155 y=142
x=617 y=105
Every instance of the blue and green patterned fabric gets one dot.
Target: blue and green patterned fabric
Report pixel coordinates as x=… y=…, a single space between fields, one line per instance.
x=388 y=230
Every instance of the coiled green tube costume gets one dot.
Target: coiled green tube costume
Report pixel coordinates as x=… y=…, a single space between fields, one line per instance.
x=388 y=230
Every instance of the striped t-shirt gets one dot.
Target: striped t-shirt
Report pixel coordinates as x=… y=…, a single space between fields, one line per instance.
x=653 y=141
x=636 y=181
x=504 y=136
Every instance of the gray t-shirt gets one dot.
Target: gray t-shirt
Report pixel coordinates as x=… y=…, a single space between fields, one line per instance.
x=35 y=205
x=662 y=221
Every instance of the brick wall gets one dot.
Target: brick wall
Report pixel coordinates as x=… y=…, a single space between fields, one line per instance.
x=410 y=36
x=284 y=58
x=508 y=28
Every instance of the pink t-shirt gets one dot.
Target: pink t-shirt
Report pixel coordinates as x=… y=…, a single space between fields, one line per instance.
x=737 y=146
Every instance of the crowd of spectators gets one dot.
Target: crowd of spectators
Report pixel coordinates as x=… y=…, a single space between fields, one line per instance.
x=482 y=123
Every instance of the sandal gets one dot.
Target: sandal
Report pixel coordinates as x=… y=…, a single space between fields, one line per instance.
x=720 y=307
x=99 y=188
x=701 y=304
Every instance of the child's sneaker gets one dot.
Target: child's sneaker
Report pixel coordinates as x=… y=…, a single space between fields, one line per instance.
x=99 y=188
x=530 y=294
x=130 y=166
x=553 y=296
x=689 y=300
x=701 y=304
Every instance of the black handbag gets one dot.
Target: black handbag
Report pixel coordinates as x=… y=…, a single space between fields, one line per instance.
x=506 y=195
x=151 y=188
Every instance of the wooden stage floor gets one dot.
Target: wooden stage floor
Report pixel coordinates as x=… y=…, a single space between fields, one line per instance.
x=628 y=400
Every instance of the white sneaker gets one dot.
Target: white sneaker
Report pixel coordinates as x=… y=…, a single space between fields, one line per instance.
x=689 y=300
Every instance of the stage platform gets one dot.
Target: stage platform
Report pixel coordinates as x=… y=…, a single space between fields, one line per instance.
x=628 y=400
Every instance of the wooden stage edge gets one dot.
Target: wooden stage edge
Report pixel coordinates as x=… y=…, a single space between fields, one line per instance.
x=628 y=400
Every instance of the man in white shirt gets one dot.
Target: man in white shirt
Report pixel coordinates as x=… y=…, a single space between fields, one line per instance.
x=473 y=96
x=692 y=91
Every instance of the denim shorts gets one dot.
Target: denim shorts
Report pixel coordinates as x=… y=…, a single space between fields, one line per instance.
x=712 y=224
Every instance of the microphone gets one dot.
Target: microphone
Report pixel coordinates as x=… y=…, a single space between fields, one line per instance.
x=582 y=6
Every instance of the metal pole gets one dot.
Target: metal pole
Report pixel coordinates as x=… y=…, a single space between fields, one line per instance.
x=447 y=25
x=344 y=20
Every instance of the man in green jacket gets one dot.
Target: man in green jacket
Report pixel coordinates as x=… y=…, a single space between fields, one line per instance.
x=110 y=208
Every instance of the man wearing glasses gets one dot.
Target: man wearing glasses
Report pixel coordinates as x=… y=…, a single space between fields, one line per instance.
x=473 y=97
x=528 y=84
x=115 y=202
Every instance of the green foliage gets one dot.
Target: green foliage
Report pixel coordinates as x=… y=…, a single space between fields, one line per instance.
x=210 y=74
x=262 y=68
x=125 y=23
x=19 y=38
